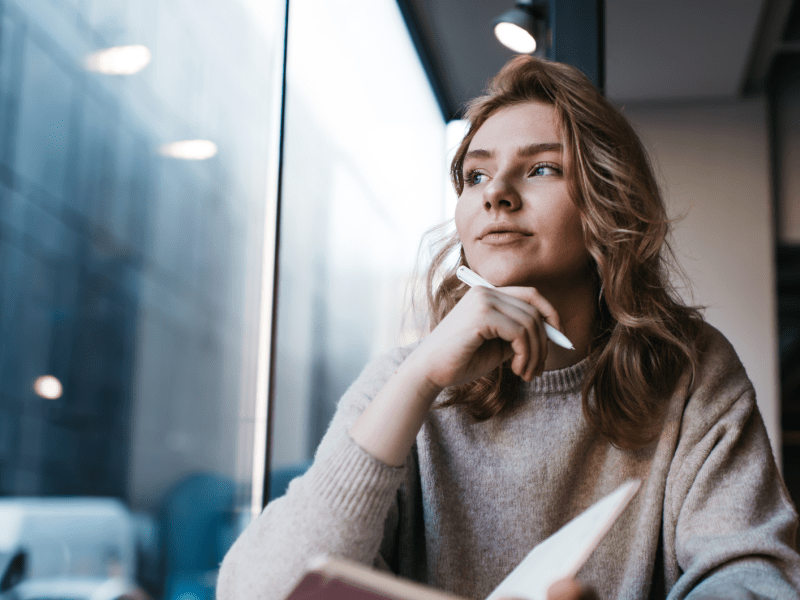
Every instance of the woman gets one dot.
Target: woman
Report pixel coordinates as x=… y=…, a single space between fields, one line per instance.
x=447 y=461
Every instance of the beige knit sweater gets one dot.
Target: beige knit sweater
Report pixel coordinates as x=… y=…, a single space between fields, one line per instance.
x=711 y=520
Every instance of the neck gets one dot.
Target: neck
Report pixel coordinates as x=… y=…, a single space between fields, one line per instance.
x=576 y=309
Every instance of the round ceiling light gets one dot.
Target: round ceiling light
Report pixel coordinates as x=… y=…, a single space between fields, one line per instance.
x=514 y=37
x=522 y=29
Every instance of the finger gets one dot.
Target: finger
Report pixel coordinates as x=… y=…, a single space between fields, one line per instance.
x=517 y=334
x=532 y=318
x=564 y=589
x=515 y=321
x=529 y=342
x=569 y=589
x=531 y=296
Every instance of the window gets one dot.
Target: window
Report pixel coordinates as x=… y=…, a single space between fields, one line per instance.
x=136 y=138
x=138 y=179
x=363 y=179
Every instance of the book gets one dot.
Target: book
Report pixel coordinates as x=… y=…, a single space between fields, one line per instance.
x=559 y=556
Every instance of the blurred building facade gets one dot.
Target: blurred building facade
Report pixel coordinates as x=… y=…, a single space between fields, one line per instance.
x=128 y=272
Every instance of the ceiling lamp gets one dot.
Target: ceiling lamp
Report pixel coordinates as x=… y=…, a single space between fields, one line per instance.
x=522 y=29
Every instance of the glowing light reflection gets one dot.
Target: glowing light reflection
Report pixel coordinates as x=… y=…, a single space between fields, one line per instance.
x=48 y=387
x=515 y=37
x=119 y=60
x=189 y=149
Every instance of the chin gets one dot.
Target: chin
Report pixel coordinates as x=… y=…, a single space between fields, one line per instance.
x=503 y=275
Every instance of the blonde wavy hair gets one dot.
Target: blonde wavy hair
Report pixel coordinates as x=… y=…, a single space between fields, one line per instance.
x=644 y=337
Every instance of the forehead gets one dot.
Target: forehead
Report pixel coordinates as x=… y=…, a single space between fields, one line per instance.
x=517 y=126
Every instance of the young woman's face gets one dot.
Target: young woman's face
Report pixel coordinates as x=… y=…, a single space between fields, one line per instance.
x=516 y=218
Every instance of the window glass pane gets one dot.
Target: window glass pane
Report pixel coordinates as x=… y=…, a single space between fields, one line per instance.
x=364 y=178
x=137 y=138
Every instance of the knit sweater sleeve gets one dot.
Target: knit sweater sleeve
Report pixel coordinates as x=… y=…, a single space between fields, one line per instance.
x=729 y=523
x=337 y=507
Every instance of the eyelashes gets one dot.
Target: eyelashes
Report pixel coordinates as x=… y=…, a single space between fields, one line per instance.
x=555 y=168
x=470 y=178
x=475 y=177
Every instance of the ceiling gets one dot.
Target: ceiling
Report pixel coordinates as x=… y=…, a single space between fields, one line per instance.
x=656 y=51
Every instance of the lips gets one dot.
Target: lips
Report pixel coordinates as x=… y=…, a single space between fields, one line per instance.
x=500 y=232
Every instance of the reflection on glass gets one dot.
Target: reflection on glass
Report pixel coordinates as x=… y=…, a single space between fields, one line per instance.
x=120 y=60
x=190 y=149
x=363 y=179
x=132 y=279
x=48 y=387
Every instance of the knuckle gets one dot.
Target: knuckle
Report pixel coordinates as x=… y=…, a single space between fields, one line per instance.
x=478 y=295
x=484 y=309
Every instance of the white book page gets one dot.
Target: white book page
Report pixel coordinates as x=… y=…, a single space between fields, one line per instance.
x=564 y=552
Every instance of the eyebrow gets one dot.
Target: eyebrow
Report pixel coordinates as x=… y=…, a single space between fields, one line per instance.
x=529 y=150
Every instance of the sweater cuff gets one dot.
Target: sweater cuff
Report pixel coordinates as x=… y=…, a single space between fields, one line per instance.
x=353 y=482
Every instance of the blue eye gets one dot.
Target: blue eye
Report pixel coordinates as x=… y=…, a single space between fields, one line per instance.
x=545 y=170
x=474 y=178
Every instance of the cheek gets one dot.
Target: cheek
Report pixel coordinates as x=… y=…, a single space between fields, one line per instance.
x=573 y=229
x=461 y=218
x=565 y=228
x=573 y=224
x=567 y=217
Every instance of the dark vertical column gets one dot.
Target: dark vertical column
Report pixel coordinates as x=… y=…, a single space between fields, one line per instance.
x=430 y=62
x=578 y=36
x=783 y=93
x=275 y=273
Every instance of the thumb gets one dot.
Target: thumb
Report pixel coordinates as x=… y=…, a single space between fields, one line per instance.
x=569 y=589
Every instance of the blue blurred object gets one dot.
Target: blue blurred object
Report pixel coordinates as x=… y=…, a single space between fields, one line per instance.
x=196 y=525
x=196 y=516
x=191 y=586
x=279 y=479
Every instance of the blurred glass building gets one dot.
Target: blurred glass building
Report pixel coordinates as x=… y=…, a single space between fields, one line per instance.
x=138 y=161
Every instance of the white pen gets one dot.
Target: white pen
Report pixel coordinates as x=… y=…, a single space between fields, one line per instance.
x=471 y=278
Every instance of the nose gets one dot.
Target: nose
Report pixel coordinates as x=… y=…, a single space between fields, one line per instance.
x=500 y=194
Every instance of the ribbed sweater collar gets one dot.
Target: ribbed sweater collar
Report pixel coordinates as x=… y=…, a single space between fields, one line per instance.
x=559 y=381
